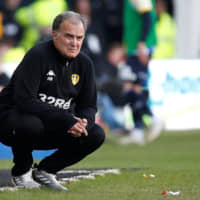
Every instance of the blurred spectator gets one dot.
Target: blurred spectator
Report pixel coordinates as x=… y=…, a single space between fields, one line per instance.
x=112 y=20
x=109 y=96
x=10 y=55
x=94 y=39
x=70 y=4
x=1 y=25
x=36 y=28
x=112 y=85
x=108 y=14
x=11 y=27
x=139 y=38
x=3 y=79
x=36 y=19
x=5 y=45
x=26 y=2
x=14 y=54
x=170 y=7
x=165 y=31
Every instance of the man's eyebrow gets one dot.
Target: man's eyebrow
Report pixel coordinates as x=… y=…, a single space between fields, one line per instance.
x=70 y=34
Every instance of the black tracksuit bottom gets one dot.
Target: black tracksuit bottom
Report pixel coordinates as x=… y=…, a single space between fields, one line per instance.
x=25 y=133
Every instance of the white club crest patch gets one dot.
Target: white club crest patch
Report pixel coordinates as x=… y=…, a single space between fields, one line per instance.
x=75 y=79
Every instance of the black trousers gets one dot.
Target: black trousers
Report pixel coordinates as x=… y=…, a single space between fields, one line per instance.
x=25 y=133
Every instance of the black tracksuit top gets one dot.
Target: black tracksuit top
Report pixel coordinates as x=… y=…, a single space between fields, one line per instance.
x=46 y=84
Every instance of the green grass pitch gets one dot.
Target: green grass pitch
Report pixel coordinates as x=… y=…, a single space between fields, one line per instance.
x=174 y=159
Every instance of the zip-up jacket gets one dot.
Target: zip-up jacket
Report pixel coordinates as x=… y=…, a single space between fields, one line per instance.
x=46 y=84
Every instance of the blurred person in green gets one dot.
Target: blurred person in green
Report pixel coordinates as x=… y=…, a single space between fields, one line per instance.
x=140 y=39
x=36 y=18
x=165 y=31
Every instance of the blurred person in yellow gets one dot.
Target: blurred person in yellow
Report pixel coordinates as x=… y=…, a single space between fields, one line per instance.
x=165 y=32
x=37 y=18
x=11 y=33
x=12 y=58
x=5 y=44
x=10 y=55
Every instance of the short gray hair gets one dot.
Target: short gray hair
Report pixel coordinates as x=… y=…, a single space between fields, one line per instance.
x=74 y=17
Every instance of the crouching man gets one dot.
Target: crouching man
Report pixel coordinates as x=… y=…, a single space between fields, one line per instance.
x=50 y=103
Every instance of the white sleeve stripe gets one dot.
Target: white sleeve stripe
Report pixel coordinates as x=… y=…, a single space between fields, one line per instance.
x=142 y=5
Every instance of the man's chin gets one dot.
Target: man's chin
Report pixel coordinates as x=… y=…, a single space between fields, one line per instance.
x=71 y=55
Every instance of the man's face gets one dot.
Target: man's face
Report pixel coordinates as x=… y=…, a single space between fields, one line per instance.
x=69 y=38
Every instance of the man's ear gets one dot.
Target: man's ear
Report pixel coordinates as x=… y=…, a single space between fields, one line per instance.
x=54 y=34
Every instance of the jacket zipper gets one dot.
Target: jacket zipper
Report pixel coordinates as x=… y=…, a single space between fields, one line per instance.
x=65 y=68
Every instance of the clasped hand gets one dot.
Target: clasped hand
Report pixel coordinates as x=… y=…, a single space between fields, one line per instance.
x=79 y=127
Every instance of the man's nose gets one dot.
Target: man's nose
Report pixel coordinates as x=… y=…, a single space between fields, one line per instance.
x=74 y=41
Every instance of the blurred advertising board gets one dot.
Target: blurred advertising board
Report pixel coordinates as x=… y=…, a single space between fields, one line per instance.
x=175 y=92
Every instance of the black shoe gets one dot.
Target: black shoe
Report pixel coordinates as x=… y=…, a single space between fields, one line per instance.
x=47 y=179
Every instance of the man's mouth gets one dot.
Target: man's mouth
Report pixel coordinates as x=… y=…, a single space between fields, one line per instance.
x=72 y=49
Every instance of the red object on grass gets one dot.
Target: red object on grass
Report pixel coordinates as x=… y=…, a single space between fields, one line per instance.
x=164 y=192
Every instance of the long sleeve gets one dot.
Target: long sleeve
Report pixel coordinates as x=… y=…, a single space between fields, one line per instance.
x=86 y=104
x=28 y=79
x=146 y=25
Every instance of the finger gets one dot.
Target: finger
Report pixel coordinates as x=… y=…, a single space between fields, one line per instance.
x=85 y=132
x=78 y=127
x=81 y=127
x=84 y=121
x=84 y=125
x=78 y=119
x=75 y=134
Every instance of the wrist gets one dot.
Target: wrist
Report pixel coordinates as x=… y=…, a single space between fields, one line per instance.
x=142 y=47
